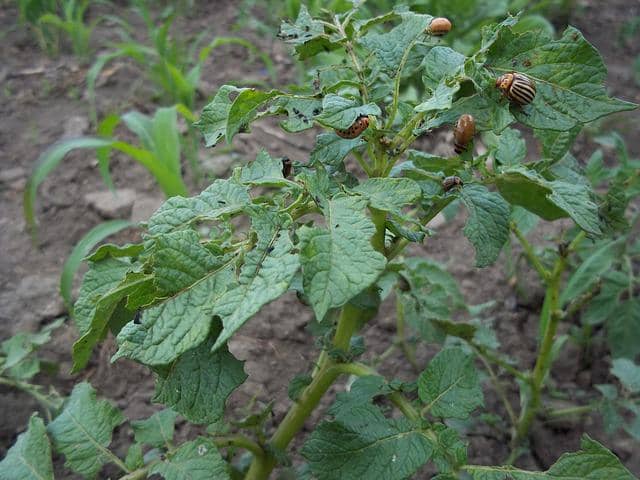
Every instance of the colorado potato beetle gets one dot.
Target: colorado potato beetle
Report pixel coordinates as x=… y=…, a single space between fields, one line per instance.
x=359 y=126
x=517 y=87
x=439 y=26
x=463 y=133
x=449 y=182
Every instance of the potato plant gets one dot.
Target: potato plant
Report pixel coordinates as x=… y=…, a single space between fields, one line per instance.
x=336 y=236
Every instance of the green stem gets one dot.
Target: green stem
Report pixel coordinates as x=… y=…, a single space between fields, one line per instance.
x=396 y=85
x=326 y=372
x=530 y=254
x=543 y=362
x=402 y=340
x=483 y=352
x=570 y=411
x=46 y=403
x=239 y=441
x=499 y=390
x=294 y=420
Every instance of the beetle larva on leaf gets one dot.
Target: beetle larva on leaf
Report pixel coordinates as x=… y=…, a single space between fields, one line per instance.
x=450 y=182
x=439 y=26
x=517 y=87
x=286 y=167
x=463 y=133
x=359 y=126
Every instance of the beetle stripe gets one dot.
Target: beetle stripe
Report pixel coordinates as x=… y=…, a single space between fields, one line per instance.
x=522 y=93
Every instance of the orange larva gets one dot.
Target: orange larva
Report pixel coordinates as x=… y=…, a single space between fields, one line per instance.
x=439 y=26
x=517 y=87
x=359 y=126
x=450 y=182
x=463 y=133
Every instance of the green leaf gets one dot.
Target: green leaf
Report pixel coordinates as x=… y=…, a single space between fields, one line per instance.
x=195 y=460
x=550 y=199
x=180 y=261
x=340 y=112
x=568 y=72
x=511 y=148
x=487 y=227
x=157 y=430
x=439 y=63
x=135 y=457
x=330 y=149
x=264 y=170
x=17 y=351
x=245 y=108
x=371 y=447
x=307 y=35
x=45 y=165
x=390 y=47
x=82 y=432
x=389 y=194
x=221 y=198
x=339 y=262
x=623 y=329
x=265 y=275
x=300 y=112
x=431 y=163
x=628 y=373
x=441 y=99
x=450 y=386
x=82 y=249
x=102 y=277
x=592 y=462
x=198 y=383
x=105 y=307
x=589 y=272
x=450 y=452
x=345 y=409
x=213 y=120
x=556 y=144
x=30 y=457
x=488 y=115
x=110 y=250
x=176 y=325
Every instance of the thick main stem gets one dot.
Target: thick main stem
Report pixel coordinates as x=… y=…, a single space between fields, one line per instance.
x=326 y=372
x=311 y=396
x=543 y=362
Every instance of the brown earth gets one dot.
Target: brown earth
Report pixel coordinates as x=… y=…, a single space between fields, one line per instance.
x=43 y=101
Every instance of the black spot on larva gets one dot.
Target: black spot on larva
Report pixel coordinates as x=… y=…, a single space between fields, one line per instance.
x=337 y=225
x=222 y=202
x=136 y=317
x=316 y=111
x=270 y=249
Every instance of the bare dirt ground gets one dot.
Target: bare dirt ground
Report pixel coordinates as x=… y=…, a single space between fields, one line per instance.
x=43 y=102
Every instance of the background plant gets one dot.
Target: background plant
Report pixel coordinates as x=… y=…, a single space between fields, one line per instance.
x=171 y=63
x=52 y=19
x=208 y=263
x=158 y=152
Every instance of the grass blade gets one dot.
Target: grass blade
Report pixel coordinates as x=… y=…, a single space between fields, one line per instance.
x=46 y=163
x=81 y=250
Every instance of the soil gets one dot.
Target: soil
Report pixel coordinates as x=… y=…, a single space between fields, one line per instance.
x=44 y=101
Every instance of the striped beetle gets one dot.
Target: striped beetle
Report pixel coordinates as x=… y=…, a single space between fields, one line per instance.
x=517 y=87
